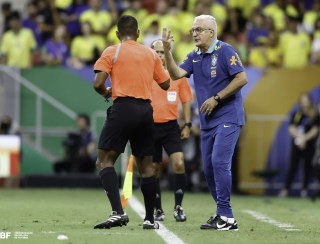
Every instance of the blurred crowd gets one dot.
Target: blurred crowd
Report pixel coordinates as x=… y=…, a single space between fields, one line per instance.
x=266 y=33
x=73 y=33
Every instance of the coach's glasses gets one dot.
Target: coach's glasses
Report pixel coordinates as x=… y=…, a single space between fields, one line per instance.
x=198 y=30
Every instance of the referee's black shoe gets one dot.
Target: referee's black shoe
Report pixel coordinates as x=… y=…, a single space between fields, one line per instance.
x=114 y=220
x=147 y=225
x=216 y=223
x=179 y=214
x=159 y=215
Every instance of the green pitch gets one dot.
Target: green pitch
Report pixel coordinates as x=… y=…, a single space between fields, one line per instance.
x=49 y=213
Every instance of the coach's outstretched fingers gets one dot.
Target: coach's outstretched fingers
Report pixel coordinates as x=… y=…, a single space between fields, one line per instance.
x=167 y=38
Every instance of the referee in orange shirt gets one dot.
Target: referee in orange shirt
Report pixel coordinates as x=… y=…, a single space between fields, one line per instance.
x=168 y=134
x=133 y=69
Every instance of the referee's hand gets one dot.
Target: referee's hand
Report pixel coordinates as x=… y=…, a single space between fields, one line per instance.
x=108 y=93
x=185 y=133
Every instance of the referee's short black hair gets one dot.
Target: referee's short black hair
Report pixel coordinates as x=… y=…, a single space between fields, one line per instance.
x=127 y=25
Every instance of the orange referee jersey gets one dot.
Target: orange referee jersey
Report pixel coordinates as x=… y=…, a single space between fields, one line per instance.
x=132 y=68
x=166 y=103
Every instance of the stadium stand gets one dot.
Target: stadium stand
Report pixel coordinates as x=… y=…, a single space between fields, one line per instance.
x=259 y=29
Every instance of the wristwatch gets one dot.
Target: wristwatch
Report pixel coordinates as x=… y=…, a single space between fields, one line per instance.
x=217 y=98
x=187 y=124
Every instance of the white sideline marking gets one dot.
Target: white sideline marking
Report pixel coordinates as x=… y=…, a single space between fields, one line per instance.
x=163 y=232
x=266 y=219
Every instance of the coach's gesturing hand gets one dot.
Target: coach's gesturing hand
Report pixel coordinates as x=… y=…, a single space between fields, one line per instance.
x=167 y=39
x=208 y=106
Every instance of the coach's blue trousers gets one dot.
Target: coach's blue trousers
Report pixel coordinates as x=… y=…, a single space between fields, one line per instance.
x=217 y=147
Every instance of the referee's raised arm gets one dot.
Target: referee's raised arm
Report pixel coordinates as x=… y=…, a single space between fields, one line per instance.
x=158 y=69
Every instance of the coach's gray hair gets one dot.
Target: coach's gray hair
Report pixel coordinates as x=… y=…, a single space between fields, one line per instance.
x=210 y=20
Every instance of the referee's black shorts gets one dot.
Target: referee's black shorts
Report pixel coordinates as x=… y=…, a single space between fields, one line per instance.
x=129 y=119
x=167 y=136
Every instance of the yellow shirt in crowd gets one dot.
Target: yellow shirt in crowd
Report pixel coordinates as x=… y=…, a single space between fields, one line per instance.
x=261 y=57
x=295 y=49
x=181 y=51
x=83 y=47
x=220 y=13
x=112 y=36
x=166 y=20
x=62 y=4
x=274 y=56
x=278 y=15
x=17 y=47
x=98 y=20
x=186 y=19
x=309 y=19
x=247 y=6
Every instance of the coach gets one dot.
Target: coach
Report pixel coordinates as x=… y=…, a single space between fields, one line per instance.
x=218 y=77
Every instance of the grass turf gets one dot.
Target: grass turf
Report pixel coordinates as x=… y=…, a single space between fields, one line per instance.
x=48 y=213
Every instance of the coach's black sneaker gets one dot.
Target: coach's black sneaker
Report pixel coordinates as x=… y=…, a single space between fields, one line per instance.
x=147 y=225
x=215 y=223
x=114 y=220
x=178 y=214
x=234 y=226
x=159 y=215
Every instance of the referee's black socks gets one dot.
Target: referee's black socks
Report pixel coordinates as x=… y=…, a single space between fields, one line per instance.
x=110 y=184
x=158 y=204
x=179 y=188
x=148 y=189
